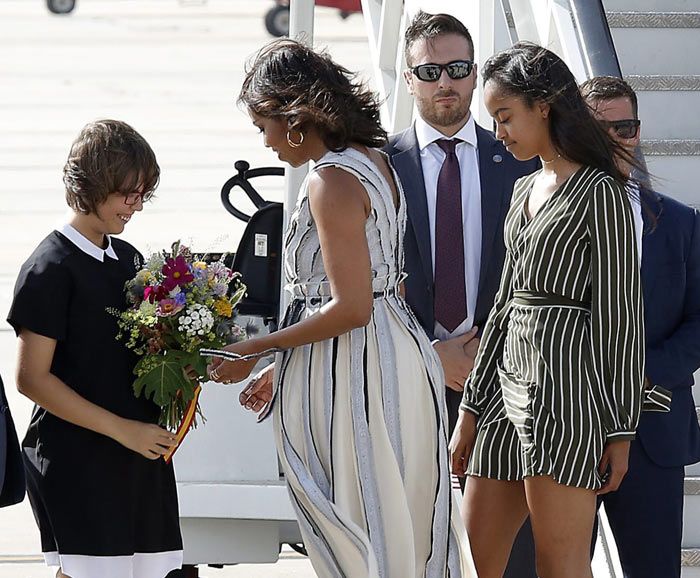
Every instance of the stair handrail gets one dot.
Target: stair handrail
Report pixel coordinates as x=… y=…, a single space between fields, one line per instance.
x=595 y=38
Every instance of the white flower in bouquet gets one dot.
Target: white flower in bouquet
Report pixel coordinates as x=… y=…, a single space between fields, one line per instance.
x=155 y=262
x=196 y=320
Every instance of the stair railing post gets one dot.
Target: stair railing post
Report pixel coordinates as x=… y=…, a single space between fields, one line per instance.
x=301 y=28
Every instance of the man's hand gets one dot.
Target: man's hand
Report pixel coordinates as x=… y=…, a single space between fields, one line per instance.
x=471 y=349
x=462 y=442
x=457 y=358
x=614 y=463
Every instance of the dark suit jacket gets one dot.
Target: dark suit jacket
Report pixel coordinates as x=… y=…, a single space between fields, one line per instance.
x=498 y=171
x=671 y=286
x=12 y=484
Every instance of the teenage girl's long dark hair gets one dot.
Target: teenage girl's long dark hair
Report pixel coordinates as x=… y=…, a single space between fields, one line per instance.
x=537 y=74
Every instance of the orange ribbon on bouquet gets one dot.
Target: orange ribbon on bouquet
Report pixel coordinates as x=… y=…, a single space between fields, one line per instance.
x=185 y=424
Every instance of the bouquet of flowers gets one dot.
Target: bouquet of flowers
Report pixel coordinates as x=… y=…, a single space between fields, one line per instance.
x=179 y=305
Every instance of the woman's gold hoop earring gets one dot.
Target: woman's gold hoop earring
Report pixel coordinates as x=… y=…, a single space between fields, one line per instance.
x=291 y=143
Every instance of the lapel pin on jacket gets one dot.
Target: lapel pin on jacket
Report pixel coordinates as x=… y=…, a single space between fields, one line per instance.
x=497 y=158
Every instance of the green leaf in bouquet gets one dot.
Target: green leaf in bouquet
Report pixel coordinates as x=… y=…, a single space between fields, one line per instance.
x=200 y=365
x=164 y=379
x=238 y=294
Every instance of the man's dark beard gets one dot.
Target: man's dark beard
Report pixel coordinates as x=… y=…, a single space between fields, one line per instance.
x=447 y=117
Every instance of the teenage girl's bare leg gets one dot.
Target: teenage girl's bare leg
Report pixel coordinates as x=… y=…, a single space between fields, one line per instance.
x=562 y=524
x=493 y=512
x=60 y=574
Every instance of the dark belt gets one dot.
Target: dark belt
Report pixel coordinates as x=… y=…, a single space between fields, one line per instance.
x=536 y=299
x=390 y=292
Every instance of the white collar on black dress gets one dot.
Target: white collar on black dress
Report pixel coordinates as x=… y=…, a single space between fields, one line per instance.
x=87 y=246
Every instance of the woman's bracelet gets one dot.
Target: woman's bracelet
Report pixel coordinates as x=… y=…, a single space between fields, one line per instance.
x=230 y=356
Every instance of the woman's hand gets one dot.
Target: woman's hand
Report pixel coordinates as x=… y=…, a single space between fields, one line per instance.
x=462 y=442
x=146 y=439
x=224 y=371
x=614 y=464
x=258 y=392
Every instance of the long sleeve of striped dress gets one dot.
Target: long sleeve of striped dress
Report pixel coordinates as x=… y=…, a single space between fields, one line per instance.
x=617 y=316
x=483 y=382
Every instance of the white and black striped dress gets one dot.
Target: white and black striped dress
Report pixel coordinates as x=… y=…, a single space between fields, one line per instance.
x=359 y=419
x=559 y=372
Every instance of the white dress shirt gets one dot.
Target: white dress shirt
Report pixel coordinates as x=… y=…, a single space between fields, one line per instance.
x=432 y=157
x=87 y=246
x=635 y=201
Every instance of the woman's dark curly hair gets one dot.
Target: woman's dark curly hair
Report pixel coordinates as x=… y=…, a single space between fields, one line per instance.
x=289 y=80
x=537 y=74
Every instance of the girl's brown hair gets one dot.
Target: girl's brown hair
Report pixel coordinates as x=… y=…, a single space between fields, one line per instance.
x=108 y=157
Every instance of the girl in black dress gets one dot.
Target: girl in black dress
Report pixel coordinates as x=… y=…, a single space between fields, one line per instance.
x=105 y=503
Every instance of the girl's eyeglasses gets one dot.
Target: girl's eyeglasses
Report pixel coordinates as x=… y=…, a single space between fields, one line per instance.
x=134 y=197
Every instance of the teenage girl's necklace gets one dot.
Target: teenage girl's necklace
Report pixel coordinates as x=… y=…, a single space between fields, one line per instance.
x=549 y=162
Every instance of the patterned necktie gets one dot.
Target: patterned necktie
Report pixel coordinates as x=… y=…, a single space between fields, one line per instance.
x=450 y=289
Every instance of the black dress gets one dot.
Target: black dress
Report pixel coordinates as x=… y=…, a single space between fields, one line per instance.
x=102 y=509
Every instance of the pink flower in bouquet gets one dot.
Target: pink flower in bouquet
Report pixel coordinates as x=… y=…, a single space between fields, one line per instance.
x=155 y=293
x=176 y=272
x=168 y=307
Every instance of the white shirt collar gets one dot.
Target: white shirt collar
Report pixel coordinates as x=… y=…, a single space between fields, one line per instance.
x=426 y=134
x=87 y=246
x=636 y=202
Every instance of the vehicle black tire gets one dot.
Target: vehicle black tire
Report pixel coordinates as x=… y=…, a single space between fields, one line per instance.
x=277 y=21
x=60 y=6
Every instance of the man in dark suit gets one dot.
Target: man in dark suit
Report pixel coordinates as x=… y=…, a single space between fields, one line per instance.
x=646 y=512
x=458 y=180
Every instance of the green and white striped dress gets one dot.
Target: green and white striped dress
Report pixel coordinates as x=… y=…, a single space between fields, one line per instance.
x=559 y=372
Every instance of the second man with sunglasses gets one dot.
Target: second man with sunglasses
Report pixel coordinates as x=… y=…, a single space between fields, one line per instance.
x=646 y=512
x=458 y=180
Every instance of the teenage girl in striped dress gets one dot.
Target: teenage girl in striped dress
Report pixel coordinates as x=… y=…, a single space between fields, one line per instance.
x=555 y=394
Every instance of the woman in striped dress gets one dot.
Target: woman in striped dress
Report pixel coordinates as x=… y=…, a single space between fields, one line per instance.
x=359 y=412
x=555 y=394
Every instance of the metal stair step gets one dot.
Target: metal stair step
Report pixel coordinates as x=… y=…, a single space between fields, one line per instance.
x=690 y=557
x=653 y=19
x=664 y=82
x=656 y=50
x=624 y=19
x=671 y=147
x=691 y=512
x=664 y=113
x=651 y=5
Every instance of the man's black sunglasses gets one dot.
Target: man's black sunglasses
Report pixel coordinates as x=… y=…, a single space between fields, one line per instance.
x=455 y=70
x=626 y=128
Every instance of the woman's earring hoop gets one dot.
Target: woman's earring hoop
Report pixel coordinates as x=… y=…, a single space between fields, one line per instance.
x=291 y=143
